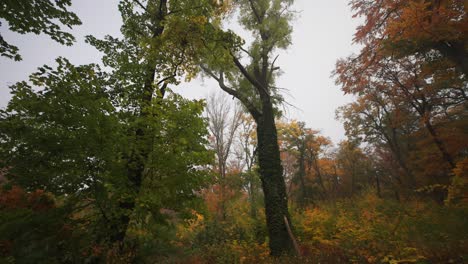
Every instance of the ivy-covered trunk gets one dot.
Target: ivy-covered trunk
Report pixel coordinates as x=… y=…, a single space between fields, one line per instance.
x=274 y=187
x=268 y=21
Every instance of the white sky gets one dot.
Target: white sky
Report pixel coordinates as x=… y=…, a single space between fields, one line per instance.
x=323 y=33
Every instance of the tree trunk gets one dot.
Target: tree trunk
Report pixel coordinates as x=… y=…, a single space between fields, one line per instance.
x=395 y=148
x=135 y=165
x=440 y=145
x=138 y=157
x=252 y=195
x=302 y=173
x=319 y=176
x=274 y=188
x=222 y=172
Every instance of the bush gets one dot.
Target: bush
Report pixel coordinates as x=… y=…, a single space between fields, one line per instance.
x=368 y=229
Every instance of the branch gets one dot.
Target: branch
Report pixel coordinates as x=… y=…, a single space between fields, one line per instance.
x=254 y=10
x=246 y=51
x=247 y=75
x=245 y=101
x=161 y=4
x=273 y=68
x=182 y=10
x=174 y=73
x=141 y=5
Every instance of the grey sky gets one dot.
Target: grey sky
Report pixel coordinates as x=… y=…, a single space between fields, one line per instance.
x=322 y=33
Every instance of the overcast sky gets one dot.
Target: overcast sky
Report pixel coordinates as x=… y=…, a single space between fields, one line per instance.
x=323 y=33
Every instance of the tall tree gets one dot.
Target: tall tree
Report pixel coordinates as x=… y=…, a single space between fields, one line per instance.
x=224 y=122
x=412 y=69
x=375 y=119
x=160 y=43
x=354 y=165
x=249 y=75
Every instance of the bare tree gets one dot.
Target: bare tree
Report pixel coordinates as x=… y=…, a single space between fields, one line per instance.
x=246 y=154
x=224 y=119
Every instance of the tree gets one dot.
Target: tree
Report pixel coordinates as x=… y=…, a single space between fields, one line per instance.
x=410 y=83
x=247 y=153
x=354 y=165
x=252 y=83
x=58 y=130
x=376 y=120
x=64 y=132
x=410 y=77
x=223 y=125
x=409 y=27
x=37 y=16
x=307 y=146
x=160 y=44
x=58 y=136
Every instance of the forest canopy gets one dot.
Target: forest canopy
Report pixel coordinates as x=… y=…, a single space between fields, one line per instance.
x=106 y=163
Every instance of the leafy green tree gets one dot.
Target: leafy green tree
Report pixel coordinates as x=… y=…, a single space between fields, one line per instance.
x=58 y=135
x=64 y=132
x=160 y=44
x=249 y=75
x=37 y=16
x=59 y=129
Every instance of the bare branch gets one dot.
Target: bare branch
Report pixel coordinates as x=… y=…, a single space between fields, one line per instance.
x=246 y=51
x=245 y=101
x=273 y=68
x=140 y=4
x=249 y=77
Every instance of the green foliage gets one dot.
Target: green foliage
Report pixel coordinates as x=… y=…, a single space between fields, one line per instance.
x=59 y=130
x=62 y=132
x=163 y=38
x=176 y=166
x=37 y=16
x=269 y=23
x=89 y=154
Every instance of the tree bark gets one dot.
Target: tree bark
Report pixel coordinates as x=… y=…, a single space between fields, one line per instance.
x=274 y=188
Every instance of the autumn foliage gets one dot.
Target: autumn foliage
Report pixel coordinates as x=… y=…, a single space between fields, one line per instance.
x=112 y=166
